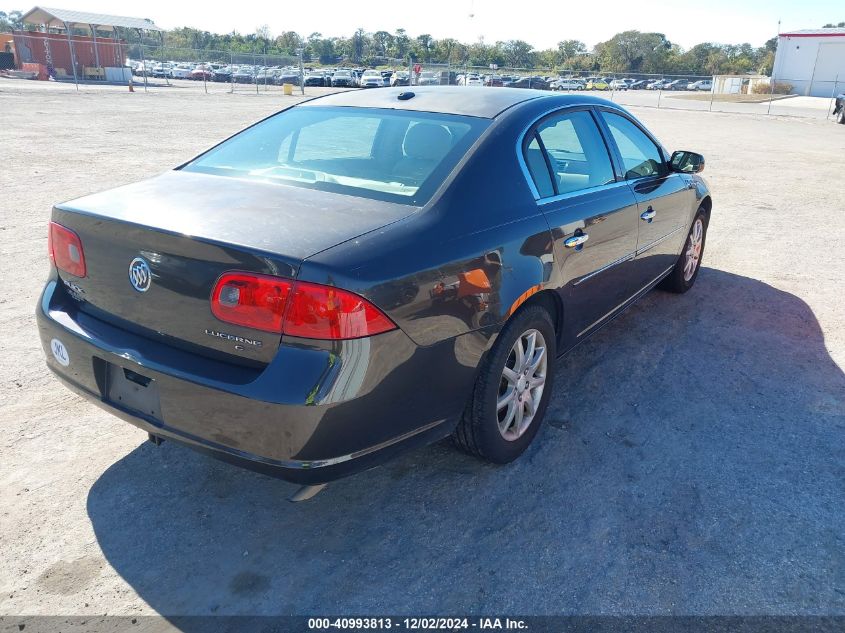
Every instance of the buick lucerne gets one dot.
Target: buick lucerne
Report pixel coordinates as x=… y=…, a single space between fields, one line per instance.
x=366 y=272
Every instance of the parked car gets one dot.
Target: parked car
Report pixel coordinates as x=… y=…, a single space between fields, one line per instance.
x=839 y=109
x=658 y=84
x=287 y=76
x=619 y=84
x=371 y=79
x=701 y=84
x=428 y=78
x=202 y=72
x=343 y=78
x=265 y=76
x=400 y=78
x=316 y=78
x=163 y=70
x=470 y=79
x=244 y=75
x=141 y=70
x=537 y=83
x=567 y=84
x=598 y=84
x=494 y=81
x=677 y=84
x=386 y=76
x=639 y=84
x=181 y=71
x=222 y=74
x=353 y=308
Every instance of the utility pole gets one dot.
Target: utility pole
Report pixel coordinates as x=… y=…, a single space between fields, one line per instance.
x=772 y=77
x=299 y=52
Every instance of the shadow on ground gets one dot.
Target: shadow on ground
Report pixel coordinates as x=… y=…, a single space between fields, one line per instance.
x=691 y=462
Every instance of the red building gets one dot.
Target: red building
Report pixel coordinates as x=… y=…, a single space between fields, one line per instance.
x=53 y=51
x=62 y=45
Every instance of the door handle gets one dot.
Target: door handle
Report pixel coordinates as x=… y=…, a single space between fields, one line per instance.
x=648 y=214
x=575 y=240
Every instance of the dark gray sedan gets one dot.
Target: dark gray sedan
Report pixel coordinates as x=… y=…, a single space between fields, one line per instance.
x=367 y=272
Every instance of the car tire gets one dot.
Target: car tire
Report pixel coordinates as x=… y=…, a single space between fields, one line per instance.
x=500 y=433
x=682 y=276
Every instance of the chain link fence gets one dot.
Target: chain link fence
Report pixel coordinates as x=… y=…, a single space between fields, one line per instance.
x=219 y=71
x=87 y=61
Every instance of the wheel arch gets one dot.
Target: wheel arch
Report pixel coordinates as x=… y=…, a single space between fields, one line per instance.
x=706 y=204
x=550 y=301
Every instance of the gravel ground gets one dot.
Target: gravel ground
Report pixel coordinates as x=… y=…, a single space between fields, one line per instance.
x=692 y=462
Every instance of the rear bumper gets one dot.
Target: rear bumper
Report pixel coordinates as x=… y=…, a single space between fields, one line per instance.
x=317 y=412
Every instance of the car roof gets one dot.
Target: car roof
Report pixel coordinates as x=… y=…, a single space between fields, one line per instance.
x=482 y=102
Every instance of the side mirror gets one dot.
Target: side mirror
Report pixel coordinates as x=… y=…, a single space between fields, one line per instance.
x=686 y=162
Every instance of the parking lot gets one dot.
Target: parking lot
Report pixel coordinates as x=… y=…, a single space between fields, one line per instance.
x=691 y=462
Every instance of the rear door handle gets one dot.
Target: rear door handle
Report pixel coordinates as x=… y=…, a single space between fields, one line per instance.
x=575 y=240
x=648 y=214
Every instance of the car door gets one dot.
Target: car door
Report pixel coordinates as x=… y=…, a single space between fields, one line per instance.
x=592 y=216
x=664 y=197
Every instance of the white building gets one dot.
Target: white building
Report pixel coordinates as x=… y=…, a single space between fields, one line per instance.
x=738 y=84
x=813 y=61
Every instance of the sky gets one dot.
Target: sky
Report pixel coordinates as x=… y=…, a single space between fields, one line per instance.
x=543 y=24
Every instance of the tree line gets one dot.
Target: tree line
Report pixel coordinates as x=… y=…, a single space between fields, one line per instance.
x=626 y=52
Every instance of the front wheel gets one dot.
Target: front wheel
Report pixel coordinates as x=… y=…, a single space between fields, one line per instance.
x=512 y=390
x=686 y=269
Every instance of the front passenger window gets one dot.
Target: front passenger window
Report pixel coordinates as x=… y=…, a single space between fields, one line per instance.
x=640 y=156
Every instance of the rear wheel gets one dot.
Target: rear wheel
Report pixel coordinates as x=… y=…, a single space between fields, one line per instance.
x=686 y=269
x=512 y=390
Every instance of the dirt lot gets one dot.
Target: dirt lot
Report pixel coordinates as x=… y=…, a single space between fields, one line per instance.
x=692 y=462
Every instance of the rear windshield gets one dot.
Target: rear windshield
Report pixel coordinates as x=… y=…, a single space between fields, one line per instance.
x=394 y=155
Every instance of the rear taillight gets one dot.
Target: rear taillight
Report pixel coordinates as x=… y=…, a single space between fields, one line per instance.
x=256 y=301
x=297 y=308
x=66 y=250
x=326 y=312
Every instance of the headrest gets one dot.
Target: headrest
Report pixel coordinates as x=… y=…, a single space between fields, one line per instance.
x=427 y=141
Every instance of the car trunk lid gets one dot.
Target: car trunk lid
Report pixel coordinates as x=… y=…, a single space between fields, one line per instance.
x=190 y=228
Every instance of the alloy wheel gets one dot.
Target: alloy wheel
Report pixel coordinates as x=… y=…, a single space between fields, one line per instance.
x=521 y=385
x=693 y=252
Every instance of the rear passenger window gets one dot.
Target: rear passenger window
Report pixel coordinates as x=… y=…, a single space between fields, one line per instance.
x=576 y=154
x=539 y=169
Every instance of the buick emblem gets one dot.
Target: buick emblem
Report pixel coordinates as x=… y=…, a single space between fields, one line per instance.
x=139 y=274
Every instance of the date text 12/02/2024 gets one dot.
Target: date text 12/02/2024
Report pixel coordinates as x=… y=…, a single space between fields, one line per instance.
x=423 y=623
